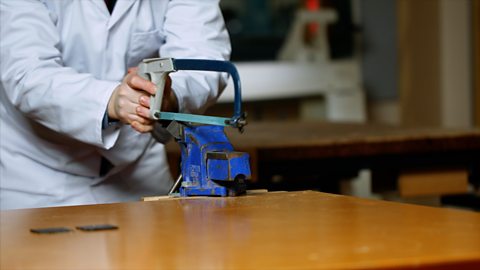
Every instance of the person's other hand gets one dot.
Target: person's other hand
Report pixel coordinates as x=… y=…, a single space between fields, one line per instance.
x=130 y=101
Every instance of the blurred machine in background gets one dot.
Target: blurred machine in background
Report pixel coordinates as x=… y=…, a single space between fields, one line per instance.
x=287 y=54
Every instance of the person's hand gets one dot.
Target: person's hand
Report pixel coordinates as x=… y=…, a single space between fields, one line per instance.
x=130 y=101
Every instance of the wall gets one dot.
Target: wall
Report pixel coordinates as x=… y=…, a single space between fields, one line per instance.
x=416 y=61
x=379 y=48
x=419 y=62
x=476 y=51
x=456 y=70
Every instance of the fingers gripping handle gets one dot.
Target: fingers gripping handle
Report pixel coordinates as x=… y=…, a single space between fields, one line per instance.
x=159 y=80
x=156 y=70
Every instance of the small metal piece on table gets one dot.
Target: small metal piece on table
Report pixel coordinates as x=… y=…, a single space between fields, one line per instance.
x=175 y=185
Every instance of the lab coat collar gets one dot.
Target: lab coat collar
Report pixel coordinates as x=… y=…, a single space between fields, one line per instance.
x=121 y=7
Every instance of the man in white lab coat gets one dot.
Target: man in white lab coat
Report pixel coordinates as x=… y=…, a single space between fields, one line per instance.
x=74 y=124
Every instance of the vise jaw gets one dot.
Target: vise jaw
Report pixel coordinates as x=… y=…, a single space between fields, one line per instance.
x=210 y=166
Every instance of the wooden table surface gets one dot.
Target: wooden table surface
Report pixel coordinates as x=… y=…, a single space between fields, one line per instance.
x=285 y=230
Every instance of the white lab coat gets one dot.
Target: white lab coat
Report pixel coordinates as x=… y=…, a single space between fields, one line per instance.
x=60 y=62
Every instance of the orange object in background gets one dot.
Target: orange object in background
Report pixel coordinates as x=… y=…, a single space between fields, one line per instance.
x=311 y=28
x=313 y=4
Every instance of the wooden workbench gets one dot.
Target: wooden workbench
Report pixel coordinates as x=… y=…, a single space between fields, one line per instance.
x=301 y=140
x=286 y=230
x=321 y=152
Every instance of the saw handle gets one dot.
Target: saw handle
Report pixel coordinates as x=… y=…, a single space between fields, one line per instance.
x=159 y=80
x=156 y=70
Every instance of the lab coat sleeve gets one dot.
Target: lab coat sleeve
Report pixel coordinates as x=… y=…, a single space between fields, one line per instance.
x=39 y=85
x=196 y=29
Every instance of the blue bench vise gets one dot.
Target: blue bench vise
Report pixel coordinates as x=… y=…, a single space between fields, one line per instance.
x=209 y=164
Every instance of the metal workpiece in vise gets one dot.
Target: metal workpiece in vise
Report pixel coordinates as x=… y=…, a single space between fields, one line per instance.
x=209 y=164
